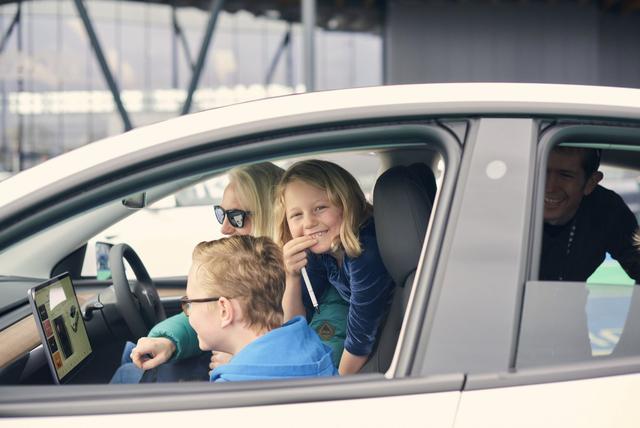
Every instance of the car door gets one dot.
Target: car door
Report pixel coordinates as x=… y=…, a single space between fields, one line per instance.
x=574 y=357
x=398 y=398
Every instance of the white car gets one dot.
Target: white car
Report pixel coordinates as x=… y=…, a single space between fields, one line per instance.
x=472 y=339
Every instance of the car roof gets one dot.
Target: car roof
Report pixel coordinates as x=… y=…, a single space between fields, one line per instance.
x=336 y=106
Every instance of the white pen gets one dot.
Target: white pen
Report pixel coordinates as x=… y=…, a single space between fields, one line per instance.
x=312 y=295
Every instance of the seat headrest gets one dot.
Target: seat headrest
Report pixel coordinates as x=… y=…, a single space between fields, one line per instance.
x=402 y=201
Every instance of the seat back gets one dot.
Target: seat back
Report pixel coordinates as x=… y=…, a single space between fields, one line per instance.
x=403 y=198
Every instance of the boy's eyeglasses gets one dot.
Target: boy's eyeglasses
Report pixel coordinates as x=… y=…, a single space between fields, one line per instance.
x=236 y=217
x=186 y=303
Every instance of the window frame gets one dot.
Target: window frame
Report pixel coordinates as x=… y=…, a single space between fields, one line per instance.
x=461 y=312
x=40 y=401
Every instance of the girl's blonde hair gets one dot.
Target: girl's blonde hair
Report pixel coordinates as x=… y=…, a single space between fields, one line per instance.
x=256 y=186
x=342 y=190
x=249 y=269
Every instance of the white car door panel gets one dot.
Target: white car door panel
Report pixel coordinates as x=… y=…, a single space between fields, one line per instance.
x=436 y=410
x=599 y=402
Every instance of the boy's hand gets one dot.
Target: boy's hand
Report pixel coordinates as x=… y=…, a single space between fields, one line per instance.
x=295 y=257
x=150 y=352
x=218 y=359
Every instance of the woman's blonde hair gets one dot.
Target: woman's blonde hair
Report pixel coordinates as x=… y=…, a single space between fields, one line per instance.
x=249 y=269
x=342 y=190
x=256 y=186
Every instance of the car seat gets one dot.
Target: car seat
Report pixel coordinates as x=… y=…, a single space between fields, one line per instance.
x=403 y=197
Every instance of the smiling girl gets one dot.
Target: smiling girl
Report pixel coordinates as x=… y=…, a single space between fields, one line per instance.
x=325 y=224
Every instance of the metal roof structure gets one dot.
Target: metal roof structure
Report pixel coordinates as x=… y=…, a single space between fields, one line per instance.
x=368 y=16
x=339 y=15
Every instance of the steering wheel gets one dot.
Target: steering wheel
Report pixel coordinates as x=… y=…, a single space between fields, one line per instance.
x=139 y=305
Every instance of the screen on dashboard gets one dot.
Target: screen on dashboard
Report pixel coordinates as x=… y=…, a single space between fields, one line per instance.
x=61 y=326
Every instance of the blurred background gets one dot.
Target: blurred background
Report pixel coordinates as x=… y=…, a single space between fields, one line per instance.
x=75 y=71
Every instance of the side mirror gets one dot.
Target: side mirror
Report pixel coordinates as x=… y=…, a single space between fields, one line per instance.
x=103 y=271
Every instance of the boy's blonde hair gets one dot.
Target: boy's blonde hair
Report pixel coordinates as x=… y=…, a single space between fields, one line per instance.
x=256 y=186
x=249 y=269
x=342 y=190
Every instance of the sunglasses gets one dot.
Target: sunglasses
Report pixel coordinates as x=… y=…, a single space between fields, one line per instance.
x=185 y=303
x=236 y=217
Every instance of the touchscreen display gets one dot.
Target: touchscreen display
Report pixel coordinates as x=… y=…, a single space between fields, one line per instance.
x=61 y=326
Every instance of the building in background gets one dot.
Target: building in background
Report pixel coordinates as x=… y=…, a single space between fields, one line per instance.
x=588 y=42
x=55 y=95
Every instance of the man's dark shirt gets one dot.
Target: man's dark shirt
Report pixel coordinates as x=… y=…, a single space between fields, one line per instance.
x=603 y=224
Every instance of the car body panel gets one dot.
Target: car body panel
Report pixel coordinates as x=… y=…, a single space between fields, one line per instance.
x=438 y=408
x=465 y=307
x=600 y=402
x=486 y=234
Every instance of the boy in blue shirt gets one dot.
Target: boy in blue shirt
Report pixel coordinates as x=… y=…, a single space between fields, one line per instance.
x=234 y=303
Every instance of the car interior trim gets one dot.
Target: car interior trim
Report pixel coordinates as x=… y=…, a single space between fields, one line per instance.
x=22 y=336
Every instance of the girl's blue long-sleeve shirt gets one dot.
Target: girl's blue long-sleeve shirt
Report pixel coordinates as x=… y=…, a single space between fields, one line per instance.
x=362 y=281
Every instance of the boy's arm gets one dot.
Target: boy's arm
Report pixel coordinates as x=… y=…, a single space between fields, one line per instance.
x=179 y=331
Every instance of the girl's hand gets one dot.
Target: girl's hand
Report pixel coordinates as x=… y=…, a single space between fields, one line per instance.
x=218 y=359
x=295 y=257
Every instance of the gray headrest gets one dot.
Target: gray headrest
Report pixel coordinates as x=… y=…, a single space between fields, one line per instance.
x=402 y=201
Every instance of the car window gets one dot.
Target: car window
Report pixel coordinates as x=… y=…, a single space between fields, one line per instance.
x=626 y=183
x=584 y=304
x=164 y=233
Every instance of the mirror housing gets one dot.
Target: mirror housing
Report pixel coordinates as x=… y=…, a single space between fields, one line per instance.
x=135 y=202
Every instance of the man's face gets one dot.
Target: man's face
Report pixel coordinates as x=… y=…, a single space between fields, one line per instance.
x=566 y=185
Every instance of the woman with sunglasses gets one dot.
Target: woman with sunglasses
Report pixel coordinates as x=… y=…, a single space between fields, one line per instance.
x=247 y=201
x=246 y=209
